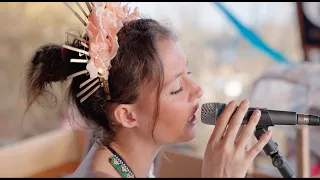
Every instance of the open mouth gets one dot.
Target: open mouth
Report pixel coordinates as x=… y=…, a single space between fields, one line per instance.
x=192 y=119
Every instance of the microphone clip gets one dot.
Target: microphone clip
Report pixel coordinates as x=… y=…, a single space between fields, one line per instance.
x=271 y=149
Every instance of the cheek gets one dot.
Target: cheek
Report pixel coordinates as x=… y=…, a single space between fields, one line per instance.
x=145 y=112
x=171 y=122
x=146 y=118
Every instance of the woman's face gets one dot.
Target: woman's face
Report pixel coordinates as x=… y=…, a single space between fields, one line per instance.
x=178 y=101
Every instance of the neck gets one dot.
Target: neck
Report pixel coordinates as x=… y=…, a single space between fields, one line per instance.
x=137 y=152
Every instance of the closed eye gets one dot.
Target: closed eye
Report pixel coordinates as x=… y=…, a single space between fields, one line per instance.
x=176 y=92
x=181 y=89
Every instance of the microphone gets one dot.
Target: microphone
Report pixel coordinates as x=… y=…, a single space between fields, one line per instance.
x=211 y=111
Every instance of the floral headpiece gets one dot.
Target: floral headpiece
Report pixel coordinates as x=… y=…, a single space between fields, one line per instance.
x=104 y=21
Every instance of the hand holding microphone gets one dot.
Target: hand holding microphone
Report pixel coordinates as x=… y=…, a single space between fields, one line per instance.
x=225 y=154
x=217 y=113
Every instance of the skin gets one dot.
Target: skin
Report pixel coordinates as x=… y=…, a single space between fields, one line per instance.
x=225 y=155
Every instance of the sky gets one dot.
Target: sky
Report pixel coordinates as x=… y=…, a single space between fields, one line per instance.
x=211 y=17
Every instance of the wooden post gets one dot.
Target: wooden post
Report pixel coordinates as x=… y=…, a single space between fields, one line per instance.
x=303 y=152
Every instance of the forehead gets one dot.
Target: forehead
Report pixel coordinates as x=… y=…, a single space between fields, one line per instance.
x=173 y=58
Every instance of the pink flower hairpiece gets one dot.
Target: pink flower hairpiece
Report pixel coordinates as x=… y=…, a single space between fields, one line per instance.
x=104 y=22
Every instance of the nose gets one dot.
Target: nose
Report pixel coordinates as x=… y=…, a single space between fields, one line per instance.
x=196 y=92
x=199 y=91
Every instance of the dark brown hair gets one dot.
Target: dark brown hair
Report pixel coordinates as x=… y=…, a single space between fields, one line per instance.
x=137 y=62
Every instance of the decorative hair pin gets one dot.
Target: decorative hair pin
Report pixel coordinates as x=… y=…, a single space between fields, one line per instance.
x=77 y=37
x=87 y=88
x=79 y=61
x=102 y=24
x=85 y=82
x=75 y=49
x=77 y=74
x=89 y=6
x=75 y=13
x=82 y=10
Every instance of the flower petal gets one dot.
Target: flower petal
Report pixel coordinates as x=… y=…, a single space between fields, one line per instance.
x=93 y=71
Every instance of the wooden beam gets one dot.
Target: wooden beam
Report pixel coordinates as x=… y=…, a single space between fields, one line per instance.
x=40 y=153
x=57 y=172
x=256 y=174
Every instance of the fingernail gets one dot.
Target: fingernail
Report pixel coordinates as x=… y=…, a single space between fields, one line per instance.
x=245 y=102
x=232 y=103
x=258 y=112
x=269 y=133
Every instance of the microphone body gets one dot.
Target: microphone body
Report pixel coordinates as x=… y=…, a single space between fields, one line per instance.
x=211 y=111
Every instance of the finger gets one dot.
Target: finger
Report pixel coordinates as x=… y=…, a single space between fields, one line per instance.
x=236 y=121
x=248 y=131
x=223 y=121
x=254 y=151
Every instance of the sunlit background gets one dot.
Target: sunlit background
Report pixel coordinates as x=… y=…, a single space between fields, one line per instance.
x=222 y=61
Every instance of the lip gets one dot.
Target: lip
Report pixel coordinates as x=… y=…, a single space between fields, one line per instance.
x=193 y=121
x=196 y=108
x=193 y=115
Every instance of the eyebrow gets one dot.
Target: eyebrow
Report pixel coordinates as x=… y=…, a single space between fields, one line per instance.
x=176 y=76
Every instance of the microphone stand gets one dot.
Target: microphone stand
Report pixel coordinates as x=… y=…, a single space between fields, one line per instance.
x=272 y=150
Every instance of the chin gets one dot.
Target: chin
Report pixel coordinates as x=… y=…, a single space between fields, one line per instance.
x=188 y=135
x=177 y=135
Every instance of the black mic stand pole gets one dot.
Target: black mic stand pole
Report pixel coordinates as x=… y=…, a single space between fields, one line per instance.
x=272 y=150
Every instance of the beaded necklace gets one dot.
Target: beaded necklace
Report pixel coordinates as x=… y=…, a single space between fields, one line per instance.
x=120 y=165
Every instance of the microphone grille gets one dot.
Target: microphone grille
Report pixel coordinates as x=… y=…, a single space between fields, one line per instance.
x=210 y=112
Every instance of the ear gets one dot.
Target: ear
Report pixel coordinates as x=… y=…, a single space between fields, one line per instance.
x=125 y=114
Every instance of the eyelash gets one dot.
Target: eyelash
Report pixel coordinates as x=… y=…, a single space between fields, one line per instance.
x=179 y=90
x=176 y=92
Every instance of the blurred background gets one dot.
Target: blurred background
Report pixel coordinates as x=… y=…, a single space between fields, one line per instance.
x=224 y=61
